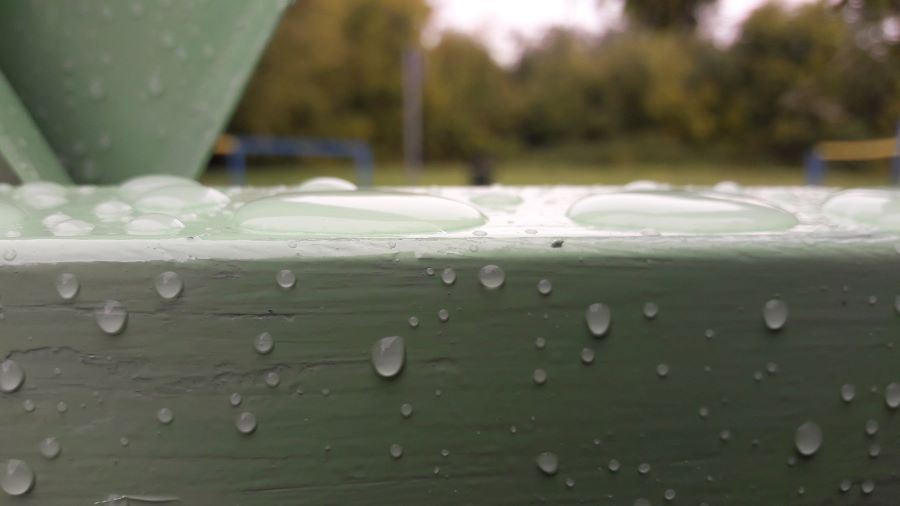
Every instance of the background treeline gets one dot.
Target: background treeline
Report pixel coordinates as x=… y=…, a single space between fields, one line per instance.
x=654 y=89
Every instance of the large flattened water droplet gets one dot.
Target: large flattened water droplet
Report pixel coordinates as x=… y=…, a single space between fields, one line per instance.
x=389 y=356
x=598 y=317
x=326 y=184
x=41 y=194
x=775 y=314
x=179 y=199
x=11 y=376
x=154 y=224
x=112 y=210
x=136 y=187
x=808 y=439
x=67 y=286
x=111 y=317
x=71 y=228
x=878 y=208
x=679 y=212
x=17 y=478
x=168 y=285
x=364 y=213
x=548 y=463
x=263 y=343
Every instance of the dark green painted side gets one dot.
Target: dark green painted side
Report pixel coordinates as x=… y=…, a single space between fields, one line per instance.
x=469 y=380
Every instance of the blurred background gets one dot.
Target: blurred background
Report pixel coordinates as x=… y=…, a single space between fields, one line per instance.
x=574 y=91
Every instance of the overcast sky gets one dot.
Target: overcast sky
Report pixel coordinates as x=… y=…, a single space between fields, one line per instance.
x=499 y=22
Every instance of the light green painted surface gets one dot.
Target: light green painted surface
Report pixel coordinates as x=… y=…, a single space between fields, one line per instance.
x=122 y=88
x=22 y=147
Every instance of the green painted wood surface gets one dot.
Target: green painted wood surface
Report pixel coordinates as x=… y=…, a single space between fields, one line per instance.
x=718 y=427
x=120 y=89
x=22 y=147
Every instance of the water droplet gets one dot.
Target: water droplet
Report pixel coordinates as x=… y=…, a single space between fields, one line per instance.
x=725 y=435
x=71 y=228
x=548 y=463
x=772 y=368
x=396 y=451
x=848 y=392
x=587 y=356
x=272 y=379
x=703 y=412
x=413 y=322
x=443 y=315
x=123 y=441
x=178 y=200
x=614 y=465
x=235 y=399
x=168 y=285
x=874 y=450
x=448 y=276
x=406 y=410
x=491 y=277
x=878 y=208
x=598 y=317
x=326 y=184
x=650 y=310
x=112 y=210
x=28 y=405
x=544 y=287
x=357 y=214
x=867 y=487
x=892 y=395
x=40 y=195
x=17 y=478
x=669 y=494
x=845 y=486
x=154 y=225
x=263 y=343
x=662 y=370
x=871 y=428
x=245 y=422
x=49 y=448
x=775 y=314
x=540 y=343
x=136 y=187
x=389 y=356
x=165 y=416
x=285 y=279
x=11 y=376
x=643 y=468
x=67 y=286
x=808 y=439
x=709 y=333
x=111 y=317
x=62 y=407
x=540 y=376
x=9 y=255
x=679 y=212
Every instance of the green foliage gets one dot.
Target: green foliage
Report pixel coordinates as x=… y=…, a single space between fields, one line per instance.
x=665 y=14
x=792 y=77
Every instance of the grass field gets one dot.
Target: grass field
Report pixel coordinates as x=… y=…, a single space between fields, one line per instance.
x=534 y=173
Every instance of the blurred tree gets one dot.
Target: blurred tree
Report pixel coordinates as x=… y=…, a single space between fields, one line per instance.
x=333 y=70
x=665 y=14
x=470 y=103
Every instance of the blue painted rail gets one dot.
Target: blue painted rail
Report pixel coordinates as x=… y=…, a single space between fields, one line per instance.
x=236 y=148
